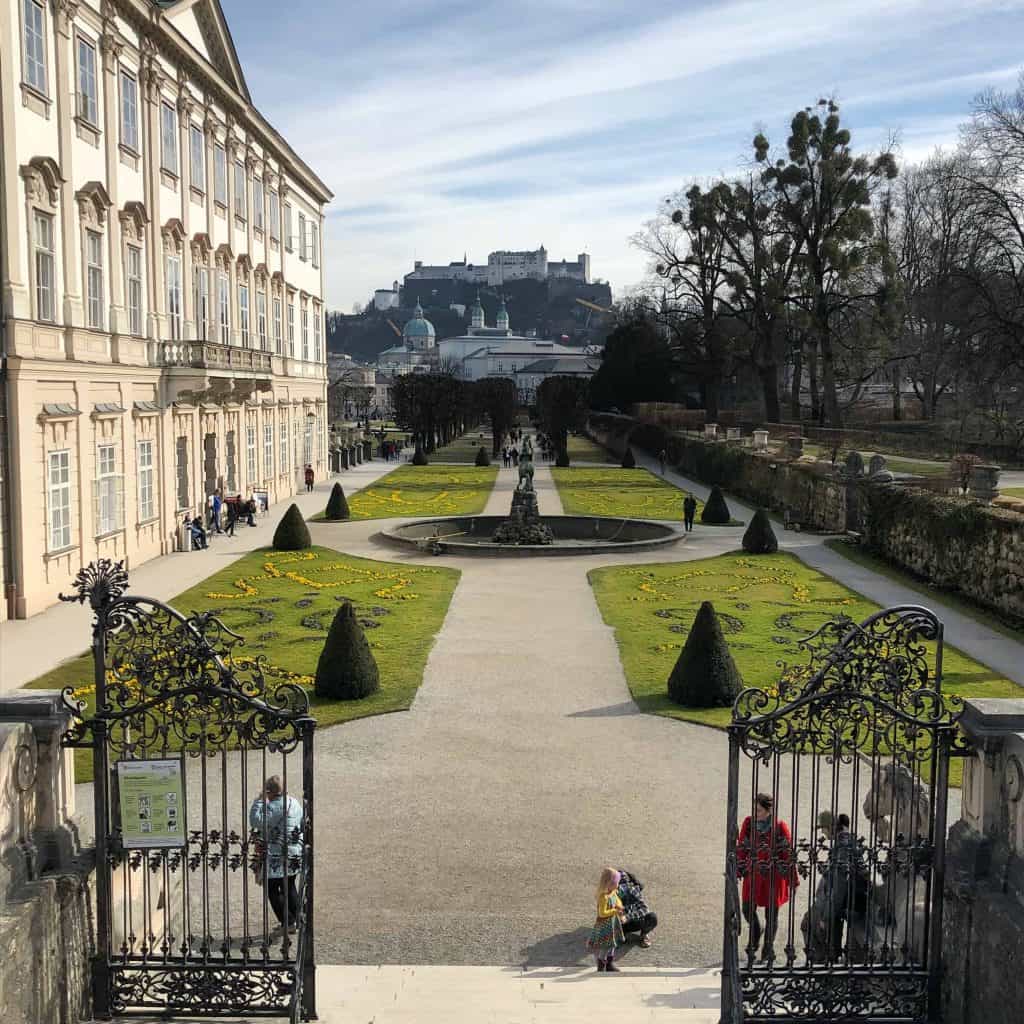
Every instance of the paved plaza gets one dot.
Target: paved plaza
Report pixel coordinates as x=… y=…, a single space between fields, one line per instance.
x=471 y=829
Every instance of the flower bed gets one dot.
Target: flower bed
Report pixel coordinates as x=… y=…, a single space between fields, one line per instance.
x=282 y=603
x=426 y=491
x=632 y=493
x=766 y=604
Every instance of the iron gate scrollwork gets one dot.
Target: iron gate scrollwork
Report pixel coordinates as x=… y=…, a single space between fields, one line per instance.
x=188 y=898
x=835 y=849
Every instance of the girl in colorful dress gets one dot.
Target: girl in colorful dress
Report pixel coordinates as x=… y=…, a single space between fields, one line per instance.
x=607 y=931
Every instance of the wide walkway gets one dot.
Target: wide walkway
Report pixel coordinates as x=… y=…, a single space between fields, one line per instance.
x=29 y=647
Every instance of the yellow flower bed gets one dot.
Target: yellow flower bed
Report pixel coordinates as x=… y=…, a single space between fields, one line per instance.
x=426 y=491
x=630 y=493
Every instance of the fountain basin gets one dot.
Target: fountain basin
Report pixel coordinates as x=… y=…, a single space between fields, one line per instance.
x=574 y=535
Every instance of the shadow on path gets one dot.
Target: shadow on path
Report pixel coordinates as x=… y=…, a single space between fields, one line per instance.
x=627 y=707
x=559 y=950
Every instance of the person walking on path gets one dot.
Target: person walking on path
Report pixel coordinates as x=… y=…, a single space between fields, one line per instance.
x=309 y=478
x=215 y=507
x=765 y=862
x=662 y=455
x=689 y=511
x=277 y=821
x=607 y=931
x=232 y=516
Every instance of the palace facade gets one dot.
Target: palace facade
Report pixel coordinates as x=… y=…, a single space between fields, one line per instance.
x=163 y=282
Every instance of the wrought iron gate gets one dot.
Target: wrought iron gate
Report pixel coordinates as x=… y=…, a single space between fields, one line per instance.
x=203 y=780
x=836 y=829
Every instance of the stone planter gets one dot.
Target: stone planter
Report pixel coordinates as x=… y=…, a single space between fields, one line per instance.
x=760 y=440
x=710 y=431
x=794 y=446
x=733 y=434
x=984 y=482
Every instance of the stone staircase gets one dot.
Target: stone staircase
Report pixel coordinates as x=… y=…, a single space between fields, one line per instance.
x=391 y=994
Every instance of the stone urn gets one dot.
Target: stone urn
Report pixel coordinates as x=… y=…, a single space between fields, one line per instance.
x=794 y=446
x=760 y=440
x=985 y=482
x=710 y=431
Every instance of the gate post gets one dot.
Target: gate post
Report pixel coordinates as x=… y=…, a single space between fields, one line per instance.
x=731 y=1002
x=308 y=966
x=101 y=996
x=938 y=876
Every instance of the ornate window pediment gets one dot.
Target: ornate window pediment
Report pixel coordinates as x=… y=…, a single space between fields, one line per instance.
x=202 y=248
x=244 y=263
x=224 y=257
x=133 y=219
x=42 y=181
x=173 y=234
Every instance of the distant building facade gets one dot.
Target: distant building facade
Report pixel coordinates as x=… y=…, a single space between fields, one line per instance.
x=505 y=265
x=162 y=275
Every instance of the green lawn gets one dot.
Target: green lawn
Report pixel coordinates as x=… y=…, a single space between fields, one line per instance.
x=1014 y=492
x=765 y=604
x=895 y=463
x=465 y=447
x=425 y=491
x=583 y=449
x=636 y=493
x=282 y=603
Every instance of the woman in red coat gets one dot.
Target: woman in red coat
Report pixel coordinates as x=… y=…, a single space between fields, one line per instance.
x=765 y=862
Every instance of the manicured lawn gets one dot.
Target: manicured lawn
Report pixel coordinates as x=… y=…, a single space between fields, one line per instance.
x=464 y=448
x=635 y=493
x=282 y=603
x=765 y=604
x=426 y=491
x=583 y=449
x=894 y=463
x=1014 y=492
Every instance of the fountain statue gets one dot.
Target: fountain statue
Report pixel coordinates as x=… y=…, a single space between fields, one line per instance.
x=523 y=525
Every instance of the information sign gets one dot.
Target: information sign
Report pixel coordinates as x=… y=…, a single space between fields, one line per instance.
x=152 y=803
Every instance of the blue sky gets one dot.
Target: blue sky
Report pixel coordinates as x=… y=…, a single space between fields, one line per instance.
x=453 y=126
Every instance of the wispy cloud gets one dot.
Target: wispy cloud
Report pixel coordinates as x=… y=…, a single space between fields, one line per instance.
x=446 y=126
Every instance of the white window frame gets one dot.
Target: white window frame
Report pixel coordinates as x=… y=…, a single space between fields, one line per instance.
x=307 y=442
x=168 y=138
x=220 y=174
x=129 y=87
x=58 y=507
x=88 y=106
x=291 y=326
x=241 y=199
x=33 y=40
x=94 y=279
x=134 y=292
x=243 y=312
x=224 y=306
x=277 y=326
x=302 y=236
x=108 y=492
x=305 y=331
x=172 y=280
x=314 y=243
x=284 y=446
x=275 y=216
x=251 y=466
x=261 y=318
x=197 y=157
x=46 y=265
x=268 y=451
x=317 y=331
x=201 y=290
x=147 y=494
x=257 y=204
x=289 y=241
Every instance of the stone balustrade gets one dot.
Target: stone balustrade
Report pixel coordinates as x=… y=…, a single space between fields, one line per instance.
x=210 y=355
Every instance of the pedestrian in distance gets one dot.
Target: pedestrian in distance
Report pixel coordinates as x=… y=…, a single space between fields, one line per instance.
x=607 y=931
x=250 y=510
x=689 y=511
x=232 y=516
x=662 y=455
x=276 y=818
x=309 y=478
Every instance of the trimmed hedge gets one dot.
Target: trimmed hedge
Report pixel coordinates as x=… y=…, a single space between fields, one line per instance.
x=704 y=675
x=716 y=511
x=759 y=538
x=292 y=533
x=419 y=457
x=562 y=460
x=629 y=459
x=347 y=669
x=337 y=506
x=482 y=458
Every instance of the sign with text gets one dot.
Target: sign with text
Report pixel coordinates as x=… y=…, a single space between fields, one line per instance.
x=152 y=803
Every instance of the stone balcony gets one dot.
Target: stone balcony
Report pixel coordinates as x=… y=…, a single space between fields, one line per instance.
x=210 y=355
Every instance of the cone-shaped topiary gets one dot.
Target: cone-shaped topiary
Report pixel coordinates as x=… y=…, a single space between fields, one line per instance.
x=347 y=669
x=337 y=506
x=705 y=676
x=716 y=512
x=562 y=460
x=419 y=458
x=482 y=458
x=292 y=533
x=629 y=459
x=759 y=538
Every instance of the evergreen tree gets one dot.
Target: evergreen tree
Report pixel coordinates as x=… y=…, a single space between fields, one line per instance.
x=562 y=459
x=705 y=676
x=292 y=534
x=337 y=506
x=347 y=669
x=418 y=457
x=481 y=457
x=628 y=459
x=759 y=538
x=716 y=512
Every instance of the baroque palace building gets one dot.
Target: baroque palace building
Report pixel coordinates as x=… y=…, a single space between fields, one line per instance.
x=162 y=274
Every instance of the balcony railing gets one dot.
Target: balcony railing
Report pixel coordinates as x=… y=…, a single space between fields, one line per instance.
x=210 y=355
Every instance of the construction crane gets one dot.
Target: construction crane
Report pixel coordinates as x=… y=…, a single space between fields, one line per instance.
x=391 y=324
x=591 y=309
